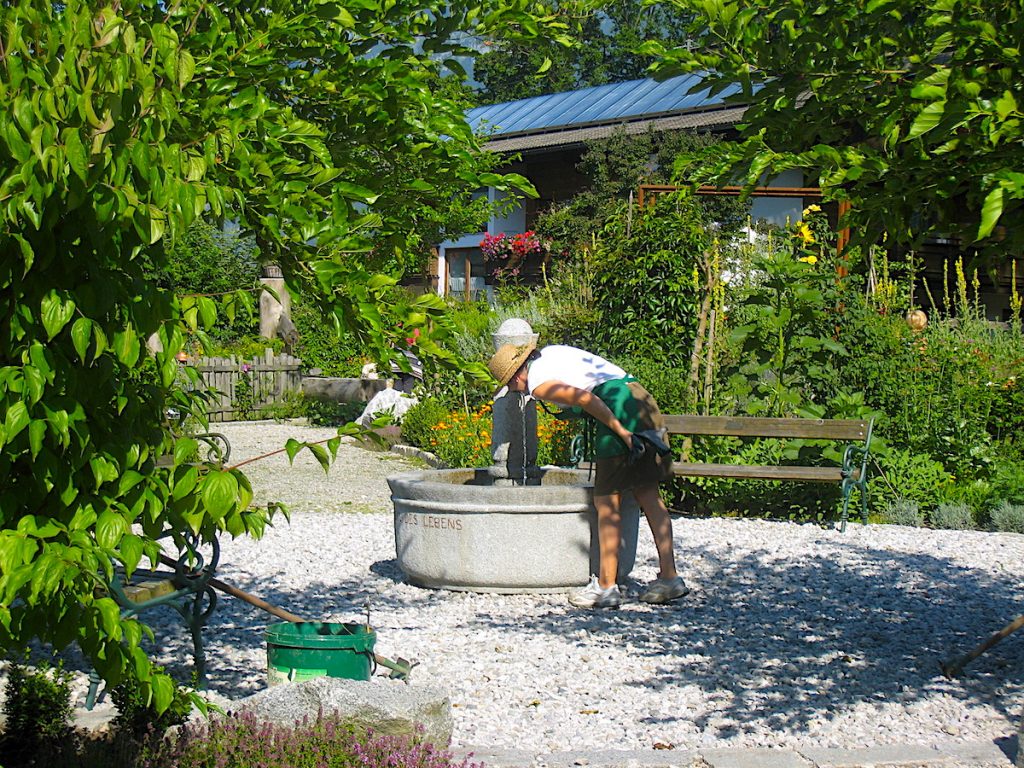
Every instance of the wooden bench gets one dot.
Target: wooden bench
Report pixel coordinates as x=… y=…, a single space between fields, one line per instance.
x=851 y=474
x=181 y=582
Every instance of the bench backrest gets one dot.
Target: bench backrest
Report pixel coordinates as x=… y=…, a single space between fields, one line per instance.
x=756 y=426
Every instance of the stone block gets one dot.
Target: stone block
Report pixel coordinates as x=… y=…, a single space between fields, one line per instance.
x=882 y=756
x=340 y=390
x=387 y=706
x=758 y=757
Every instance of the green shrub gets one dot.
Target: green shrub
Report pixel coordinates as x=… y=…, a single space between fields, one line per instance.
x=420 y=420
x=953 y=516
x=903 y=512
x=38 y=712
x=136 y=716
x=1008 y=480
x=207 y=260
x=667 y=384
x=1008 y=517
x=246 y=347
x=327 y=413
x=910 y=475
x=646 y=280
x=321 y=346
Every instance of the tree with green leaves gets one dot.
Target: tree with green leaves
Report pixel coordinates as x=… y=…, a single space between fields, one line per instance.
x=121 y=125
x=604 y=49
x=909 y=111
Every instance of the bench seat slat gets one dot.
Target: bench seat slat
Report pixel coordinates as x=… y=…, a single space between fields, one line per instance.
x=743 y=471
x=754 y=426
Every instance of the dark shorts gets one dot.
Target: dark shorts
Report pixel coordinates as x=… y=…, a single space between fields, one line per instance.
x=637 y=410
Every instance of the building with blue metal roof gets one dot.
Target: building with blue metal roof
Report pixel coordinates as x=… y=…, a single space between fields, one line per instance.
x=549 y=133
x=561 y=119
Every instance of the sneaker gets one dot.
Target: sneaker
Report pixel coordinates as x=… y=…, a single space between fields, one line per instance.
x=664 y=590
x=592 y=596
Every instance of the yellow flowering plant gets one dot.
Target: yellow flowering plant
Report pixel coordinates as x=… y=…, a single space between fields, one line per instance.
x=462 y=438
x=788 y=340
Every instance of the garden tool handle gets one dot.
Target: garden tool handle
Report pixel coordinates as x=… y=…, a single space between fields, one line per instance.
x=399 y=669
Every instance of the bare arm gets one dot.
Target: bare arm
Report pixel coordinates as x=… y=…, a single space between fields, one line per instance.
x=560 y=393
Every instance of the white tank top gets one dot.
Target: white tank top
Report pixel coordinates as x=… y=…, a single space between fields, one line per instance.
x=573 y=366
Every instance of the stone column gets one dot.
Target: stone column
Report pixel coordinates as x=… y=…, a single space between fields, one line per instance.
x=514 y=421
x=275 y=314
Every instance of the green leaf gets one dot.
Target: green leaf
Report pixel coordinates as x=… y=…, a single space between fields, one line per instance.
x=291 y=448
x=110 y=616
x=186 y=68
x=321 y=456
x=36 y=432
x=56 y=313
x=207 y=312
x=16 y=420
x=131 y=552
x=163 y=692
x=355 y=192
x=928 y=118
x=110 y=528
x=185 y=449
x=81 y=335
x=75 y=152
x=991 y=210
x=185 y=483
x=127 y=346
x=219 y=492
x=1006 y=105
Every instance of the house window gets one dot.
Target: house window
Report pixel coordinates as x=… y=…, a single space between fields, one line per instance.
x=467 y=274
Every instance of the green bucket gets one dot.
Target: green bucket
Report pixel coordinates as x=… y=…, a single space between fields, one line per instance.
x=309 y=649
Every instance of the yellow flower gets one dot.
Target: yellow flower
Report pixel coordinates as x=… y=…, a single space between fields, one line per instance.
x=804 y=231
x=809 y=259
x=812 y=209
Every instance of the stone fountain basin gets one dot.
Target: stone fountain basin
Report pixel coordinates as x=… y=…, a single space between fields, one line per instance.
x=455 y=529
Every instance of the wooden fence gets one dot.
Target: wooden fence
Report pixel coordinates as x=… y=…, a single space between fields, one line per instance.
x=240 y=389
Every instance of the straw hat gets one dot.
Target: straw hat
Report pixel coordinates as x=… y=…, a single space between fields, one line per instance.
x=507 y=360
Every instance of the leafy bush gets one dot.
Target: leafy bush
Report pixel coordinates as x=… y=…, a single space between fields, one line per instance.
x=321 y=345
x=911 y=476
x=326 y=413
x=135 y=712
x=206 y=260
x=1008 y=517
x=241 y=741
x=418 y=424
x=245 y=347
x=953 y=516
x=645 y=280
x=900 y=511
x=38 y=712
x=667 y=384
x=1008 y=480
x=785 y=337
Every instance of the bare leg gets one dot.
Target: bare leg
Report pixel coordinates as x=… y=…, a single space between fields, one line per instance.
x=609 y=534
x=661 y=528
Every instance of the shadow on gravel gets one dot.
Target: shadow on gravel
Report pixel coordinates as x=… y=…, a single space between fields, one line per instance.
x=784 y=644
x=795 y=642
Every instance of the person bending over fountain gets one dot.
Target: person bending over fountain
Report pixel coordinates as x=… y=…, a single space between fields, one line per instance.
x=630 y=452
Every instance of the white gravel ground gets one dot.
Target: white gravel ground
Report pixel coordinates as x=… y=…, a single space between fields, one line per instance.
x=794 y=636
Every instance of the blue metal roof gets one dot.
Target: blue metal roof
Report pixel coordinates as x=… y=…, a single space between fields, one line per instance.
x=615 y=102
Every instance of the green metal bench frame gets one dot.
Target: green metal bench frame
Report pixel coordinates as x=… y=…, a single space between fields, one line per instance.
x=184 y=585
